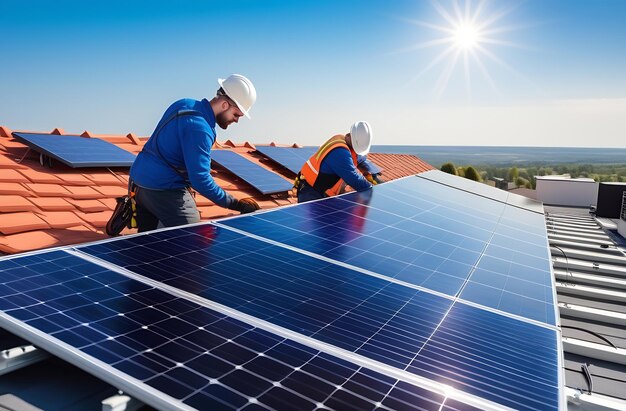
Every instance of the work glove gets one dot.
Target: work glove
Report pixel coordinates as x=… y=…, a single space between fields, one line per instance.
x=370 y=178
x=245 y=205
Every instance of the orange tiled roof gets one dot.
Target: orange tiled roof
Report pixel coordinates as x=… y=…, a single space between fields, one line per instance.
x=43 y=207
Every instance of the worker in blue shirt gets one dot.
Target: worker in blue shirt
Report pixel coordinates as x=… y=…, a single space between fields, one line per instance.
x=334 y=164
x=178 y=156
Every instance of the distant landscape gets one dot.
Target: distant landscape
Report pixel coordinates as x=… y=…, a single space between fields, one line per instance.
x=520 y=165
x=508 y=156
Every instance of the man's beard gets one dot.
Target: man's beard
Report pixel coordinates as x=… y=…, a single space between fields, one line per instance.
x=221 y=121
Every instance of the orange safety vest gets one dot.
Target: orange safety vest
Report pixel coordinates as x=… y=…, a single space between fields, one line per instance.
x=311 y=169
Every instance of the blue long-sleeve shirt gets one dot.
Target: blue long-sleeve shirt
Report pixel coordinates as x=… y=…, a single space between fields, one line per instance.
x=185 y=143
x=339 y=162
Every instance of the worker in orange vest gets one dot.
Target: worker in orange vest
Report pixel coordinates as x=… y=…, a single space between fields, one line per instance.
x=334 y=164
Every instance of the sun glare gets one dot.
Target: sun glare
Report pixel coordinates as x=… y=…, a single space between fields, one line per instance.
x=466 y=32
x=466 y=36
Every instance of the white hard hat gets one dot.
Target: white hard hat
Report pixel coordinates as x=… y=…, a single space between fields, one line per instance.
x=241 y=90
x=361 y=137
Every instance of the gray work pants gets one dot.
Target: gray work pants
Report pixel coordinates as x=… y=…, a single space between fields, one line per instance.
x=165 y=208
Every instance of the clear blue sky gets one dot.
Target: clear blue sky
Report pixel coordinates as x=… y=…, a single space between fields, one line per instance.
x=113 y=67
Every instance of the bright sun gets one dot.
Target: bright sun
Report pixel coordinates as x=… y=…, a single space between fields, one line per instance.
x=466 y=36
x=467 y=30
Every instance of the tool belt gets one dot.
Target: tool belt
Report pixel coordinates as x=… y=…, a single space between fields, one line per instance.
x=125 y=213
x=298 y=184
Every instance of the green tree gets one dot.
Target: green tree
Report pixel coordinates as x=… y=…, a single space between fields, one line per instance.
x=460 y=171
x=449 y=168
x=520 y=182
x=513 y=174
x=471 y=173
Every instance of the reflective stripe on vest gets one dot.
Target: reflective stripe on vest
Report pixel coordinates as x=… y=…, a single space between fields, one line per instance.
x=311 y=169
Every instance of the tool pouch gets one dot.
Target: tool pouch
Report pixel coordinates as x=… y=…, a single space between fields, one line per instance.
x=124 y=215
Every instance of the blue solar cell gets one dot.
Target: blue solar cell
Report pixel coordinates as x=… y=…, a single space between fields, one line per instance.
x=466 y=353
x=76 y=151
x=188 y=352
x=289 y=157
x=382 y=321
x=258 y=177
x=484 y=190
x=295 y=291
x=410 y=230
x=414 y=231
x=465 y=185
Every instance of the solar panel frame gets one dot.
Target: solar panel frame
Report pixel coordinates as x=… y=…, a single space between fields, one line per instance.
x=76 y=151
x=507 y=226
x=482 y=190
x=129 y=354
x=289 y=157
x=263 y=180
x=338 y=327
x=423 y=239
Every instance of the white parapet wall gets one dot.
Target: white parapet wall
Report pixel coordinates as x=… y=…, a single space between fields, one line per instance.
x=565 y=191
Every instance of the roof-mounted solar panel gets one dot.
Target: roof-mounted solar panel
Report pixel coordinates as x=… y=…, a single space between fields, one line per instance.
x=289 y=157
x=411 y=295
x=258 y=177
x=483 y=190
x=76 y=151
x=176 y=353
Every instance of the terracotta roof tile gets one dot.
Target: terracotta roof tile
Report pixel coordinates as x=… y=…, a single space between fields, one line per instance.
x=89 y=206
x=7 y=162
x=12 y=203
x=51 y=203
x=5 y=131
x=12 y=223
x=203 y=201
x=77 y=235
x=60 y=219
x=14 y=176
x=111 y=191
x=110 y=203
x=108 y=179
x=36 y=176
x=14 y=189
x=48 y=190
x=133 y=148
x=98 y=220
x=81 y=193
x=12 y=143
x=74 y=179
x=33 y=240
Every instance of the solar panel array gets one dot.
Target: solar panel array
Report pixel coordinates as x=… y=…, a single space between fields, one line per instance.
x=289 y=157
x=77 y=151
x=413 y=295
x=258 y=177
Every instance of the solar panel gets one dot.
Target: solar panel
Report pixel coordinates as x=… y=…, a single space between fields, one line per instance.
x=76 y=151
x=173 y=353
x=396 y=287
x=258 y=177
x=364 y=314
x=483 y=190
x=289 y=157
x=425 y=234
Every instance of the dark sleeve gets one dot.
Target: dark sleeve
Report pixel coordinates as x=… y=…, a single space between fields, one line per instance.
x=340 y=162
x=196 y=146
